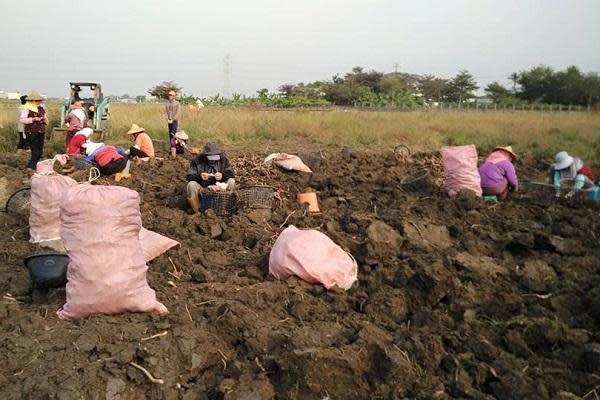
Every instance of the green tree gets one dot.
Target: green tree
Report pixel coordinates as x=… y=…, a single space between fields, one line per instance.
x=462 y=87
x=432 y=88
x=496 y=91
x=537 y=84
x=592 y=88
x=514 y=78
x=163 y=89
x=394 y=82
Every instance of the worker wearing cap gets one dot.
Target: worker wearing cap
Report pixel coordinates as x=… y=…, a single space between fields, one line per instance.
x=35 y=119
x=173 y=111
x=205 y=171
x=571 y=168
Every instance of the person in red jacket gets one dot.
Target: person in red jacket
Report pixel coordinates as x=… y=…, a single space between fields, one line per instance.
x=76 y=144
x=107 y=158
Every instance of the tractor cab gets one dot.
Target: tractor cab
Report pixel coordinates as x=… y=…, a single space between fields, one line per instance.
x=94 y=104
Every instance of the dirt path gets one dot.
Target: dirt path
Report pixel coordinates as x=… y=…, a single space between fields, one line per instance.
x=455 y=299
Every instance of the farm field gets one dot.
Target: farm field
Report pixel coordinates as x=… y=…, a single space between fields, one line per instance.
x=454 y=299
x=540 y=134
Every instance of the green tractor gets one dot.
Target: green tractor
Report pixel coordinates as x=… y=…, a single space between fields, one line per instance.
x=94 y=104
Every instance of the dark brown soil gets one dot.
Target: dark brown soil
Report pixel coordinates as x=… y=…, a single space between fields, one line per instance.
x=455 y=298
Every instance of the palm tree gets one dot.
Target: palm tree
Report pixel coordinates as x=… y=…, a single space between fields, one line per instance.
x=514 y=77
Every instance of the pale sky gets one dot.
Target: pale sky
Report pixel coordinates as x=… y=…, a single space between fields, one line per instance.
x=131 y=45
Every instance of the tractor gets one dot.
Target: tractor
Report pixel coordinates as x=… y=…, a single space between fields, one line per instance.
x=96 y=107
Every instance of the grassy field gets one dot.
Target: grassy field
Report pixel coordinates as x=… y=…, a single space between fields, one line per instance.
x=539 y=134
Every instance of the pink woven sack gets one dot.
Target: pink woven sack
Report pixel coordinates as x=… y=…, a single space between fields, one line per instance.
x=460 y=169
x=291 y=163
x=100 y=227
x=154 y=244
x=313 y=257
x=46 y=192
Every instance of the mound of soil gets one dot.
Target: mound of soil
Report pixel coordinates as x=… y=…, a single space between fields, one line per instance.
x=455 y=298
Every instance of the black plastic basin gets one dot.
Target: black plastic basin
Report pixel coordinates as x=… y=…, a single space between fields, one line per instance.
x=47 y=270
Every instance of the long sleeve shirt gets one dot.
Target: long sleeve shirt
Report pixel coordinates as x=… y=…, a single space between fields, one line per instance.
x=492 y=174
x=30 y=125
x=173 y=110
x=201 y=164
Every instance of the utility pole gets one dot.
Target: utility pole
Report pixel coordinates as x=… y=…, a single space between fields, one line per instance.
x=396 y=65
x=227 y=76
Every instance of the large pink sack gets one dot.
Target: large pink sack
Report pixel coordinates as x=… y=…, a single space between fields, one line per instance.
x=100 y=227
x=291 y=163
x=46 y=192
x=460 y=169
x=154 y=244
x=312 y=256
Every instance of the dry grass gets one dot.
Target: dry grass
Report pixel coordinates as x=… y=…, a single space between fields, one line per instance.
x=528 y=132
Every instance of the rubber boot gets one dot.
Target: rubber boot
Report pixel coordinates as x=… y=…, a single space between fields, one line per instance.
x=194 y=202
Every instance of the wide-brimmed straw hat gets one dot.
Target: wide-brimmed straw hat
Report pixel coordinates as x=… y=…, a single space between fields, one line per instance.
x=562 y=160
x=135 y=128
x=507 y=149
x=35 y=96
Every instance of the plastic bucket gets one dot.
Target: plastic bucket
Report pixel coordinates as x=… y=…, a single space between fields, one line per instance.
x=47 y=270
x=311 y=199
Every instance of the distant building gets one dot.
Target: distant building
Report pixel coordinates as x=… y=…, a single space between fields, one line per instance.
x=9 y=95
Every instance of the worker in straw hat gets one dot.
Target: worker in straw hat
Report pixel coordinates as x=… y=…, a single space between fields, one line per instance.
x=143 y=146
x=498 y=175
x=34 y=119
x=566 y=167
x=210 y=169
x=173 y=112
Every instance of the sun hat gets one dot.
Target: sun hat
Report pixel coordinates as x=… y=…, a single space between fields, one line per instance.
x=35 y=96
x=212 y=149
x=135 y=129
x=562 y=160
x=508 y=149
x=182 y=135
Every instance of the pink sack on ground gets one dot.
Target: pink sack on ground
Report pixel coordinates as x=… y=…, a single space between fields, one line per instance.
x=291 y=163
x=312 y=256
x=100 y=227
x=460 y=169
x=46 y=192
x=154 y=244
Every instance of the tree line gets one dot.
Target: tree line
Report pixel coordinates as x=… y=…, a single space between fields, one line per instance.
x=360 y=87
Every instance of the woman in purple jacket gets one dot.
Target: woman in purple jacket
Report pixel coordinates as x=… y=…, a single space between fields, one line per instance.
x=498 y=175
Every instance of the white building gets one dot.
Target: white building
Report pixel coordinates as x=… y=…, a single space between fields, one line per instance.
x=9 y=95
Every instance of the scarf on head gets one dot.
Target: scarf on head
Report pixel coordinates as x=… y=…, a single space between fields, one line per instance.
x=31 y=106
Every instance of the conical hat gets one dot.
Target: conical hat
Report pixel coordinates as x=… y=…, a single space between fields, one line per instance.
x=135 y=129
x=508 y=149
